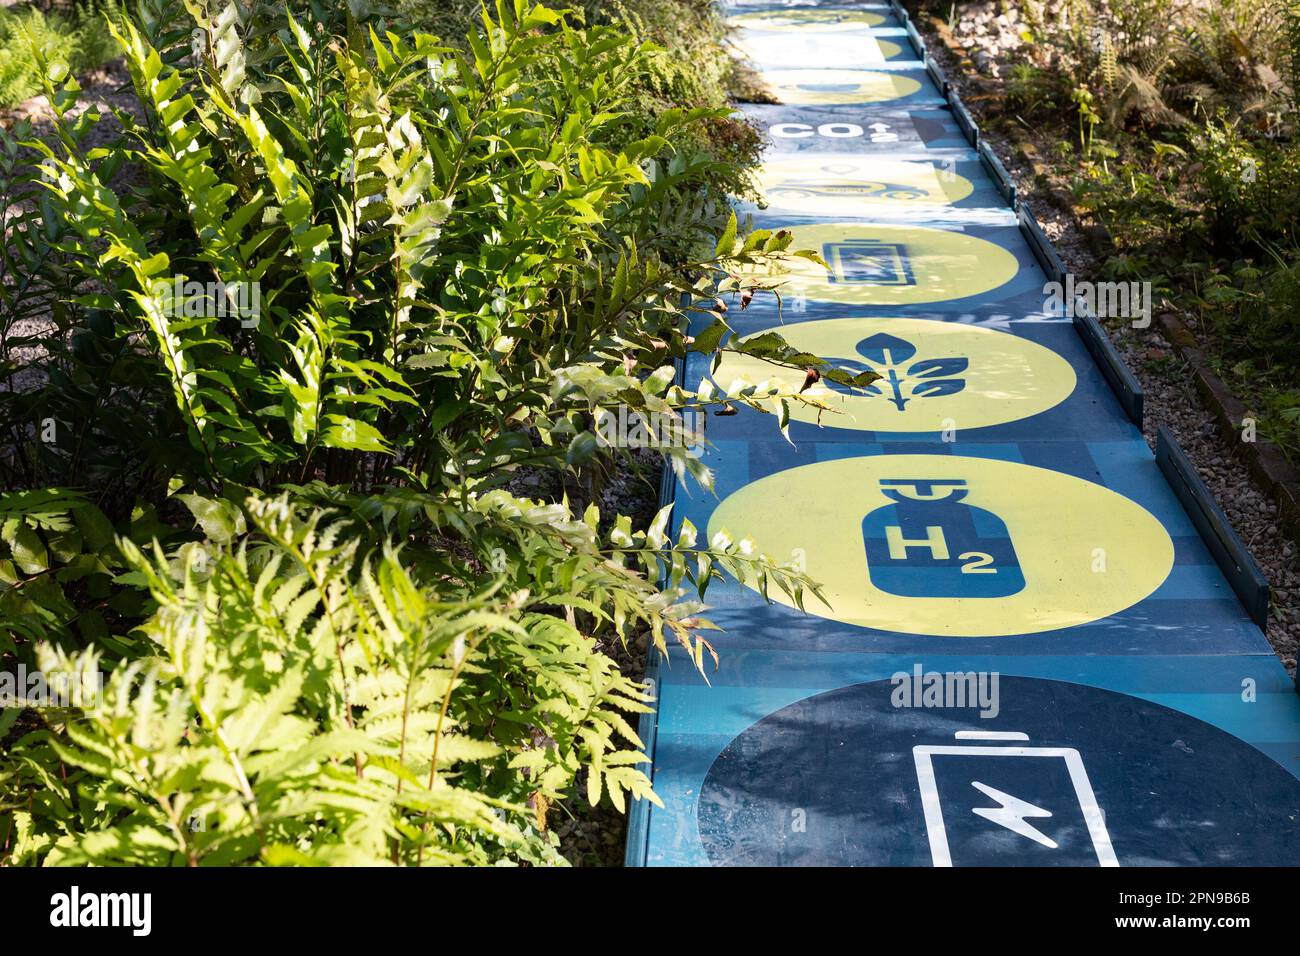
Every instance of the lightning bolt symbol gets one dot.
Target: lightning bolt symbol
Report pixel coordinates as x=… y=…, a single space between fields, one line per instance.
x=1011 y=813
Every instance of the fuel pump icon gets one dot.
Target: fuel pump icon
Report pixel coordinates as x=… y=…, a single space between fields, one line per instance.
x=930 y=543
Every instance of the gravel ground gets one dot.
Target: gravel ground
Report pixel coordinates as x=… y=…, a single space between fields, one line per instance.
x=991 y=37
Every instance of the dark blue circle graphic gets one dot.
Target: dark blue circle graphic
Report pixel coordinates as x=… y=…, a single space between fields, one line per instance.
x=1064 y=774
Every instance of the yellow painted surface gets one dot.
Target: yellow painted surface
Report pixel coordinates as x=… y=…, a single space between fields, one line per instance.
x=833 y=186
x=877 y=264
x=1006 y=378
x=815 y=21
x=1063 y=529
x=837 y=87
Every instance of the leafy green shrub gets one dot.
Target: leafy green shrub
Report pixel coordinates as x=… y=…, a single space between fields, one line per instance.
x=1251 y=186
x=432 y=255
x=463 y=265
x=691 y=66
x=1031 y=90
x=686 y=66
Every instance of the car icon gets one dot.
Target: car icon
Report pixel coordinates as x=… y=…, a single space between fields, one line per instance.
x=844 y=188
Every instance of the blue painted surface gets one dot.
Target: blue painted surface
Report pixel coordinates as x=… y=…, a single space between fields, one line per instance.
x=923 y=133
x=1162 y=733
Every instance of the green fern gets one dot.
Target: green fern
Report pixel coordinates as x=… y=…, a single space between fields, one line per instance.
x=29 y=37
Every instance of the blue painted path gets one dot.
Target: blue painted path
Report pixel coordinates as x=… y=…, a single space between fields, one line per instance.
x=1030 y=656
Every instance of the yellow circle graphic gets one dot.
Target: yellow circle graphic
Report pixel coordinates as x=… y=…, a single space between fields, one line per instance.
x=874 y=264
x=889 y=50
x=837 y=87
x=953 y=546
x=827 y=185
x=773 y=48
x=934 y=375
x=811 y=21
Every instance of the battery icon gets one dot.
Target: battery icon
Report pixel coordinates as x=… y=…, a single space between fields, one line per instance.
x=990 y=800
x=870 y=261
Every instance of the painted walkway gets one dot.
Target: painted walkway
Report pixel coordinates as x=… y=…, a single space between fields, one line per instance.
x=991 y=510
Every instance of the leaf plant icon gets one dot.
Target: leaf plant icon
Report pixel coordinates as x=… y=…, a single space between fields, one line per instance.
x=888 y=355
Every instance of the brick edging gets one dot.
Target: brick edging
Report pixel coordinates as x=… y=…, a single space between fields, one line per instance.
x=1270 y=468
